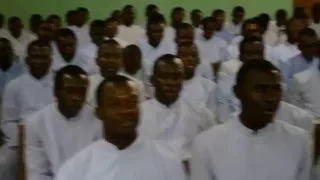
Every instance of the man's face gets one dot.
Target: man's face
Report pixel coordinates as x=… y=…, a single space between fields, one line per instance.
x=197 y=18
x=97 y=35
x=220 y=19
x=6 y=54
x=184 y=36
x=72 y=94
x=308 y=46
x=251 y=30
x=16 y=28
x=56 y=23
x=82 y=17
x=67 y=46
x=45 y=32
x=168 y=80
x=155 y=33
x=209 y=29
x=189 y=56
x=179 y=16
x=129 y=15
x=132 y=60
x=238 y=17
x=293 y=29
x=252 y=51
x=111 y=29
x=109 y=59
x=261 y=94
x=119 y=110
x=39 y=60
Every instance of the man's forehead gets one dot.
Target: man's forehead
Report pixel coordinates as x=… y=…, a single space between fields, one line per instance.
x=123 y=87
x=260 y=77
x=70 y=79
x=40 y=48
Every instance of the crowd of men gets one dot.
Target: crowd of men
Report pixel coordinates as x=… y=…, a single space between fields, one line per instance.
x=113 y=100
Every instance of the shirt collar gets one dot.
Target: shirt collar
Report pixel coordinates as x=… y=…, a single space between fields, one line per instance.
x=175 y=105
x=77 y=118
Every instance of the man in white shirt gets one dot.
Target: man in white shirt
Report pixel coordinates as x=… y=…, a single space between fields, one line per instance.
x=18 y=37
x=177 y=17
x=121 y=153
x=89 y=51
x=315 y=24
x=196 y=17
x=278 y=26
x=220 y=17
x=154 y=45
x=111 y=32
x=169 y=117
x=285 y=51
x=234 y=27
x=128 y=31
x=253 y=145
x=212 y=49
x=61 y=129
x=196 y=89
x=29 y=92
x=269 y=37
x=34 y=24
x=80 y=28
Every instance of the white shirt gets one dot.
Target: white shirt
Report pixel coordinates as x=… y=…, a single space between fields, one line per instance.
x=212 y=50
x=204 y=69
x=176 y=125
x=316 y=27
x=82 y=34
x=22 y=97
x=140 y=161
x=232 y=28
x=303 y=90
x=51 y=139
x=88 y=53
x=20 y=44
x=200 y=91
x=8 y=163
x=283 y=52
x=230 y=67
x=130 y=34
x=231 y=151
x=150 y=53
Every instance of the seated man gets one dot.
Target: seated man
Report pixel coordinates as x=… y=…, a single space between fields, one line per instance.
x=60 y=129
x=121 y=154
x=111 y=32
x=254 y=145
x=168 y=117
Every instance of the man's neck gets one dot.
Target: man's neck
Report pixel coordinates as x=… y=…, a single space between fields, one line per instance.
x=154 y=44
x=121 y=142
x=247 y=118
x=165 y=102
x=37 y=77
x=128 y=24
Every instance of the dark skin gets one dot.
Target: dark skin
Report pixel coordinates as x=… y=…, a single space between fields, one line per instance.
x=167 y=81
x=6 y=55
x=155 y=33
x=252 y=51
x=184 y=36
x=293 y=29
x=67 y=47
x=196 y=19
x=71 y=94
x=190 y=58
x=251 y=29
x=220 y=19
x=34 y=25
x=308 y=47
x=281 y=20
x=260 y=96
x=109 y=59
x=45 y=32
x=111 y=29
x=82 y=18
x=209 y=30
x=128 y=16
x=237 y=17
x=97 y=35
x=119 y=113
x=116 y=15
x=55 y=23
x=15 y=28
x=132 y=59
x=39 y=61
x=177 y=18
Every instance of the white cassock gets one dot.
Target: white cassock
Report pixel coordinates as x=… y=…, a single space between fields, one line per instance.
x=82 y=34
x=22 y=97
x=19 y=45
x=142 y=160
x=212 y=50
x=176 y=125
x=200 y=91
x=150 y=54
x=88 y=53
x=231 y=151
x=130 y=34
x=8 y=163
x=232 y=28
x=51 y=139
x=95 y=80
x=283 y=52
x=303 y=90
x=204 y=69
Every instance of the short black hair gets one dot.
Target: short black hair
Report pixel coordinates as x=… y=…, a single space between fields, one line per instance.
x=237 y=9
x=207 y=20
x=156 y=18
x=116 y=79
x=70 y=13
x=184 y=26
x=72 y=70
x=307 y=32
x=247 y=40
x=128 y=6
x=35 y=17
x=249 y=21
x=167 y=58
x=150 y=7
x=110 y=20
x=132 y=46
x=97 y=23
x=195 y=11
x=109 y=42
x=175 y=10
x=13 y=19
x=257 y=65
x=53 y=16
x=83 y=9
x=281 y=12
x=65 y=32
x=216 y=12
x=38 y=43
x=113 y=13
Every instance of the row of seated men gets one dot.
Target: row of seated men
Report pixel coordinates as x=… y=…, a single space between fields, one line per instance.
x=158 y=96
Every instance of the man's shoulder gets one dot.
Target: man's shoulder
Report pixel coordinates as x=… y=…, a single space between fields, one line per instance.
x=292 y=131
x=214 y=134
x=304 y=76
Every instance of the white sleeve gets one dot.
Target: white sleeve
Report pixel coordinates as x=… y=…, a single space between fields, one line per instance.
x=304 y=168
x=199 y=166
x=38 y=166
x=293 y=94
